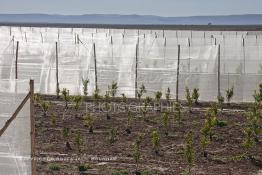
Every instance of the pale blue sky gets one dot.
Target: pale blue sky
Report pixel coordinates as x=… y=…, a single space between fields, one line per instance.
x=142 y=7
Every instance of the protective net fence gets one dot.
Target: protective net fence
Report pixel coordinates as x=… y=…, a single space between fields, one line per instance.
x=116 y=53
x=15 y=143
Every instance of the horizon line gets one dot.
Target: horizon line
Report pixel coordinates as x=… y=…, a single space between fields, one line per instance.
x=54 y=14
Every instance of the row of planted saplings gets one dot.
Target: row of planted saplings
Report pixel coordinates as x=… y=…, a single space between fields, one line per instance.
x=251 y=129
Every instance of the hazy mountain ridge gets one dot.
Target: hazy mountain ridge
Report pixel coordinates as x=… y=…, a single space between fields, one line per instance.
x=249 y=19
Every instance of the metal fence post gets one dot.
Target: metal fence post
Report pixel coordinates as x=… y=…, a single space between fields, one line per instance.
x=94 y=47
x=136 y=70
x=32 y=132
x=177 y=73
x=56 y=58
x=218 y=72
x=16 y=60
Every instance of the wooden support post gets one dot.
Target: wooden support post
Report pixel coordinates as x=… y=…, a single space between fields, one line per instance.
x=165 y=42
x=32 y=133
x=13 y=117
x=189 y=55
x=136 y=73
x=94 y=46
x=163 y=33
x=13 y=42
x=218 y=72
x=78 y=39
x=25 y=38
x=16 y=60
x=215 y=41
x=41 y=37
x=177 y=73
x=244 y=56
x=57 y=78
x=111 y=40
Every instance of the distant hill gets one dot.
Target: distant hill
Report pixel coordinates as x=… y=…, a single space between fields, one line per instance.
x=250 y=19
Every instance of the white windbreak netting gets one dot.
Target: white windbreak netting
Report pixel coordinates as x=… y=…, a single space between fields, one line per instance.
x=115 y=51
x=15 y=143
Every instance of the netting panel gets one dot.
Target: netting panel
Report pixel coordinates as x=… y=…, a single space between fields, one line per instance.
x=15 y=143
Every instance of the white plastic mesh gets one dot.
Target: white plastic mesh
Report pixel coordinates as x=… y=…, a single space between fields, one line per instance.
x=15 y=143
x=241 y=64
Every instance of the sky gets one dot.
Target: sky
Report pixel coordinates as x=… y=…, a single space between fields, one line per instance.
x=140 y=7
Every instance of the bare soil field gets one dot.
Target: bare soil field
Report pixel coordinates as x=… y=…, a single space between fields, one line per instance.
x=68 y=141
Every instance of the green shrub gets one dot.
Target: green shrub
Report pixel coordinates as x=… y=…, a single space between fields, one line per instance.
x=77 y=100
x=112 y=135
x=113 y=89
x=66 y=133
x=195 y=95
x=249 y=140
x=168 y=94
x=213 y=110
x=85 y=86
x=220 y=100
x=221 y=123
x=45 y=106
x=54 y=167
x=66 y=97
x=189 y=99
x=258 y=95
x=189 y=151
x=254 y=119
x=158 y=96
x=96 y=94
x=144 y=109
x=166 y=122
x=89 y=121
x=79 y=142
x=136 y=154
x=141 y=91
x=229 y=94
x=156 y=141
x=178 y=112
x=84 y=167
x=124 y=98
x=204 y=142
x=146 y=172
x=37 y=98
